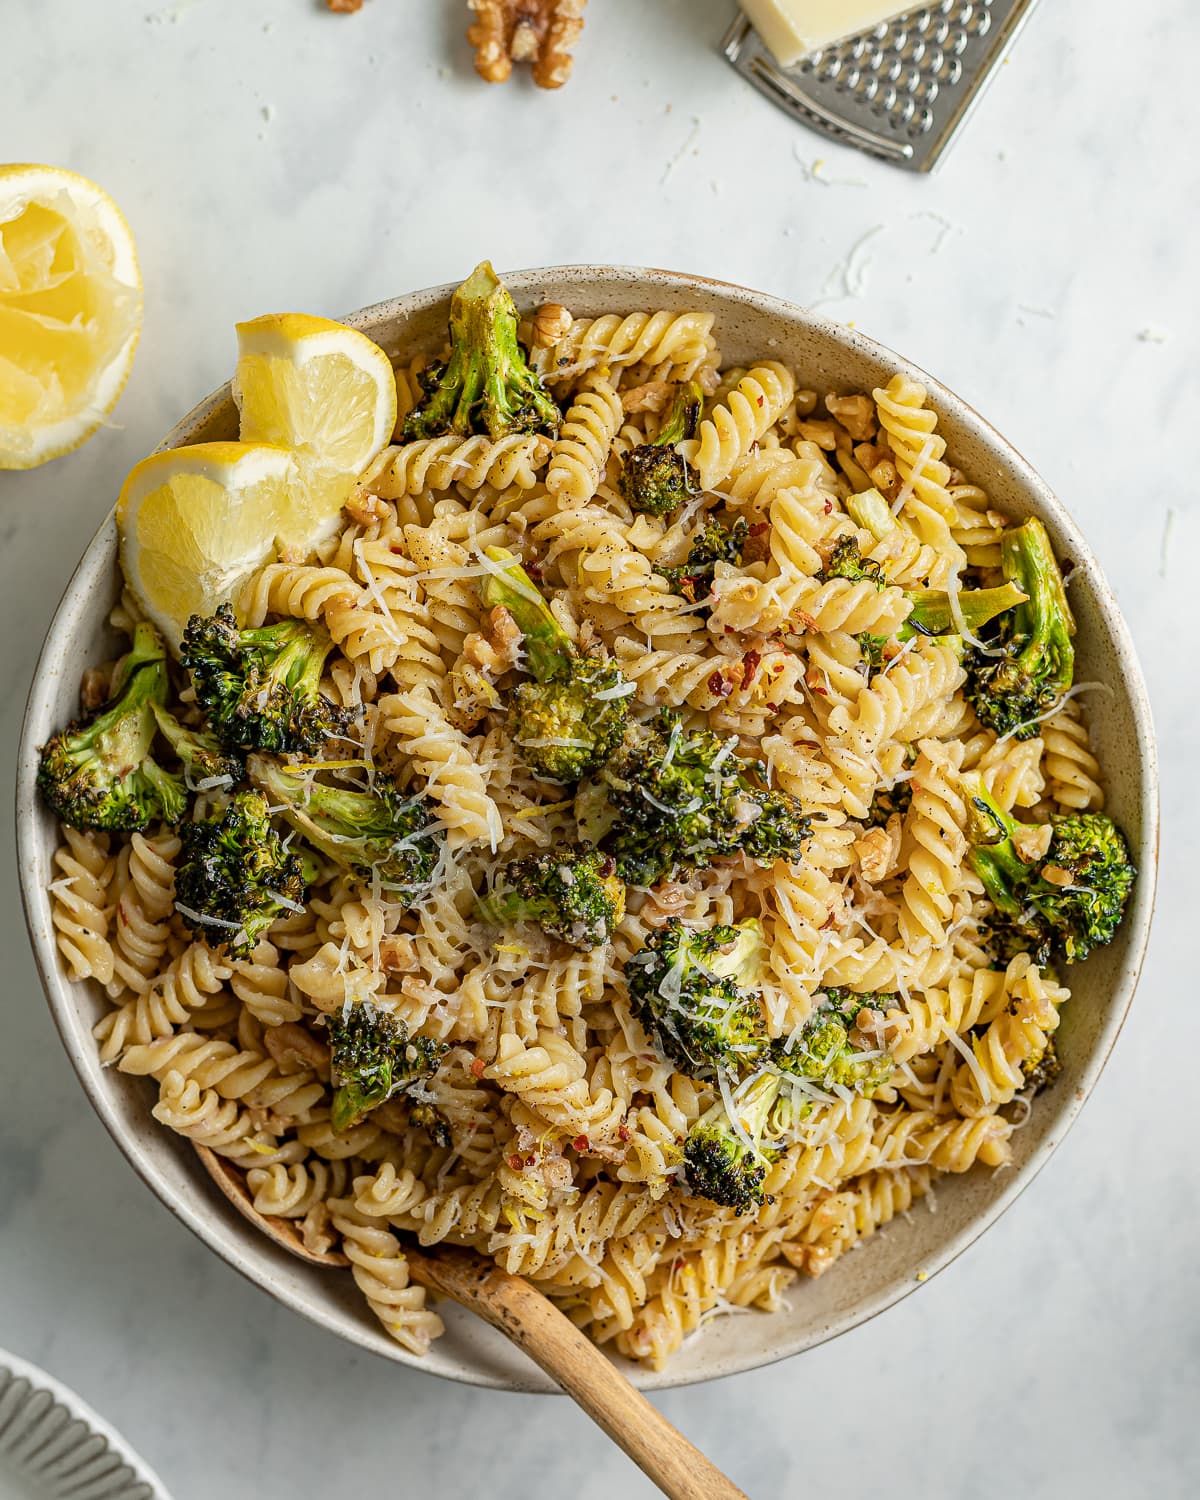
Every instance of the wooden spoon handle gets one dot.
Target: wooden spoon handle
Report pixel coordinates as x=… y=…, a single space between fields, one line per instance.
x=552 y=1341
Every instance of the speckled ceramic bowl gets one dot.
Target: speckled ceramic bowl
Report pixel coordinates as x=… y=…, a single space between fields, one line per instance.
x=53 y=1447
x=827 y=356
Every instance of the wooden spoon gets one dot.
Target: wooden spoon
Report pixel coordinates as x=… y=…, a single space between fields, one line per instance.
x=535 y=1325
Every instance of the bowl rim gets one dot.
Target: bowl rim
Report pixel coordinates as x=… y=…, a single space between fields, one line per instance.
x=196 y=1213
x=39 y=1380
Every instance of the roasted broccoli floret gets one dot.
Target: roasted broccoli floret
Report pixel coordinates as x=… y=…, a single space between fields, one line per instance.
x=572 y=715
x=383 y=833
x=236 y=875
x=1068 y=900
x=730 y=1165
x=98 y=772
x=670 y=801
x=846 y=561
x=823 y=1052
x=1036 y=664
x=261 y=688
x=374 y=1058
x=203 y=757
x=486 y=386
x=574 y=894
x=931 y=614
x=713 y=543
x=655 y=476
x=695 y=990
x=888 y=801
x=1042 y=1069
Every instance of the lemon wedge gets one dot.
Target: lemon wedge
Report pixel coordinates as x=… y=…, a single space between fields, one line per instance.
x=325 y=391
x=195 y=522
x=70 y=311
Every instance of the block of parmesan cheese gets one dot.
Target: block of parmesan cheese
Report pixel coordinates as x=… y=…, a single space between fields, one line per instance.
x=793 y=28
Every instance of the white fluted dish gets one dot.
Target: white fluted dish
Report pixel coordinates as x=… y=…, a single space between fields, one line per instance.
x=54 y=1447
x=889 y=1266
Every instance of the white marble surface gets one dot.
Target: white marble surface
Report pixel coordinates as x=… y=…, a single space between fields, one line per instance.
x=269 y=155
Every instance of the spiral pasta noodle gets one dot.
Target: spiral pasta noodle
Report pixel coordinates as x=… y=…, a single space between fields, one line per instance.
x=734 y=425
x=581 y=449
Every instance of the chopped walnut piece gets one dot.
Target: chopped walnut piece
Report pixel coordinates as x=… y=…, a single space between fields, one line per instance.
x=654 y=396
x=855 y=413
x=549 y=325
x=367 y=509
x=1031 y=842
x=93 y=688
x=540 y=32
x=294 y=1049
x=877 y=852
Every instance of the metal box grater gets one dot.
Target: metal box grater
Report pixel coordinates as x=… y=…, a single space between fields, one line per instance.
x=899 y=91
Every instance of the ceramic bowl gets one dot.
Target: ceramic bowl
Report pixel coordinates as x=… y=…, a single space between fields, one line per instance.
x=53 y=1447
x=826 y=356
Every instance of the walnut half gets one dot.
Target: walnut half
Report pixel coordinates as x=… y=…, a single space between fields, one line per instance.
x=540 y=32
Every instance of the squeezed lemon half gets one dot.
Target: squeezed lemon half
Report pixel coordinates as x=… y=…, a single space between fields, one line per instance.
x=70 y=311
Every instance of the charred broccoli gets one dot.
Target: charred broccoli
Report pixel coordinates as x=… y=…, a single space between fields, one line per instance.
x=655 y=477
x=236 y=875
x=824 y=1053
x=261 y=688
x=713 y=543
x=670 y=801
x=203 y=757
x=374 y=1058
x=572 y=715
x=695 y=992
x=486 y=386
x=98 y=772
x=1069 y=899
x=727 y=1164
x=1036 y=660
x=1043 y=1068
x=574 y=894
x=846 y=561
x=383 y=833
x=889 y=801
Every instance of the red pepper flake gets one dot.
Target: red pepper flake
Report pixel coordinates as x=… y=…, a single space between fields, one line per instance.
x=750 y=665
x=397 y=548
x=517 y=1163
x=622 y=1132
x=718 y=686
x=830 y=921
x=762 y=401
x=581 y=1143
x=477 y=1068
x=774 y=707
x=829 y=507
x=534 y=569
